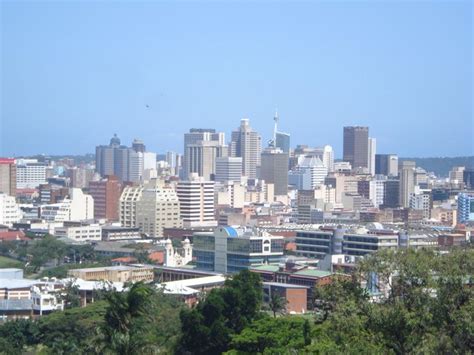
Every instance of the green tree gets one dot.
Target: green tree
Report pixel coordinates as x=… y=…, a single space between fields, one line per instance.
x=277 y=304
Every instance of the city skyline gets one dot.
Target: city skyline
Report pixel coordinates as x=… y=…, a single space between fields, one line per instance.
x=323 y=65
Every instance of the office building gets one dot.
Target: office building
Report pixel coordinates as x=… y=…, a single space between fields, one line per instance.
x=357 y=242
x=247 y=144
x=106 y=194
x=30 y=173
x=465 y=212
x=10 y=212
x=371 y=155
x=422 y=200
x=407 y=182
x=309 y=173
x=202 y=157
x=228 y=169
x=196 y=202
x=230 y=250
x=79 y=232
x=386 y=164
x=157 y=208
x=8 y=176
x=328 y=158
x=280 y=140
x=76 y=207
x=356 y=146
x=274 y=169
x=391 y=194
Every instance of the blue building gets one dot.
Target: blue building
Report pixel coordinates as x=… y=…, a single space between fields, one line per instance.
x=282 y=141
x=465 y=208
x=230 y=250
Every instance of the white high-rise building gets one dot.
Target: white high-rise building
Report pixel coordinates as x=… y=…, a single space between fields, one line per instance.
x=30 y=173
x=228 y=169
x=201 y=158
x=196 y=199
x=77 y=207
x=372 y=148
x=377 y=190
x=328 y=158
x=10 y=212
x=247 y=144
x=308 y=174
x=421 y=200
x=157 y=208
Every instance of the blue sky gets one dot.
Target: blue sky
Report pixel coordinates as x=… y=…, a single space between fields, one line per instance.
x=74 y=73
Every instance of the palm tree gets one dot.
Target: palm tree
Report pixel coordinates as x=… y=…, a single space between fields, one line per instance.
x=277 y=304
x=123 y=319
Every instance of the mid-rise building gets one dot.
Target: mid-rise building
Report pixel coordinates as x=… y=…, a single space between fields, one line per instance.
x=30 y=173
x=157 y=208
x=10 y=212
x=230 y=250
x=358 y=242
x=128 y=205
x=247 y=144
x=79 y=232
x=76 y=207
x=356 y=146
x=106 y=194
x=196 y=201
x=422 y=200
x=465 y=212
x=8 y=176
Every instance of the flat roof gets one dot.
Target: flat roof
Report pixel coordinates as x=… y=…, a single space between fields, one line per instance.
x=18 y=283
x=267 y=267
x=113 y=268
x=284 y=285
x=313 y=272
x=197 y=282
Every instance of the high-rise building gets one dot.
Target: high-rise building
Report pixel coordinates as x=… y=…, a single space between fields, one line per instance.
x=328 y=157
x=9 y=210
x=157 y=208
x=8 y=176
x=127 y=164
x=274 y=169
x=308 y=174
x=456 y=175
x=30 y=173
x=201 y=158
x=196 y=200
x=465 y=208
x=247 y=144
x=106 y=194
x=356 y=146
x=371 y=155
x=76 y=207
x=230 y=250
x=193 y=137
x=422 y=200
x=228 y=169
x=407 y=182
x=386 y=164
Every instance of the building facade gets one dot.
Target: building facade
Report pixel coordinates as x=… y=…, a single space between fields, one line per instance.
x=356 y=146
x=247 y=144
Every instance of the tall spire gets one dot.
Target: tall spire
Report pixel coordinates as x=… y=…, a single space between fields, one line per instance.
x=275 y=128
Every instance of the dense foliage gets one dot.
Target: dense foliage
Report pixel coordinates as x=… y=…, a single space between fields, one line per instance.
x=420 y=302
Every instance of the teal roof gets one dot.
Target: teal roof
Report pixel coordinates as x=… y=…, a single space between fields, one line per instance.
x=267 y=267
x=231 y=232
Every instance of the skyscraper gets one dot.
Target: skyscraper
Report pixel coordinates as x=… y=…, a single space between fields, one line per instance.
x=465 y=208
x=371 y=156
x=407 y=182
x=274 y=169
x=247 y=144
x=280 y=139
x=356 y=146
